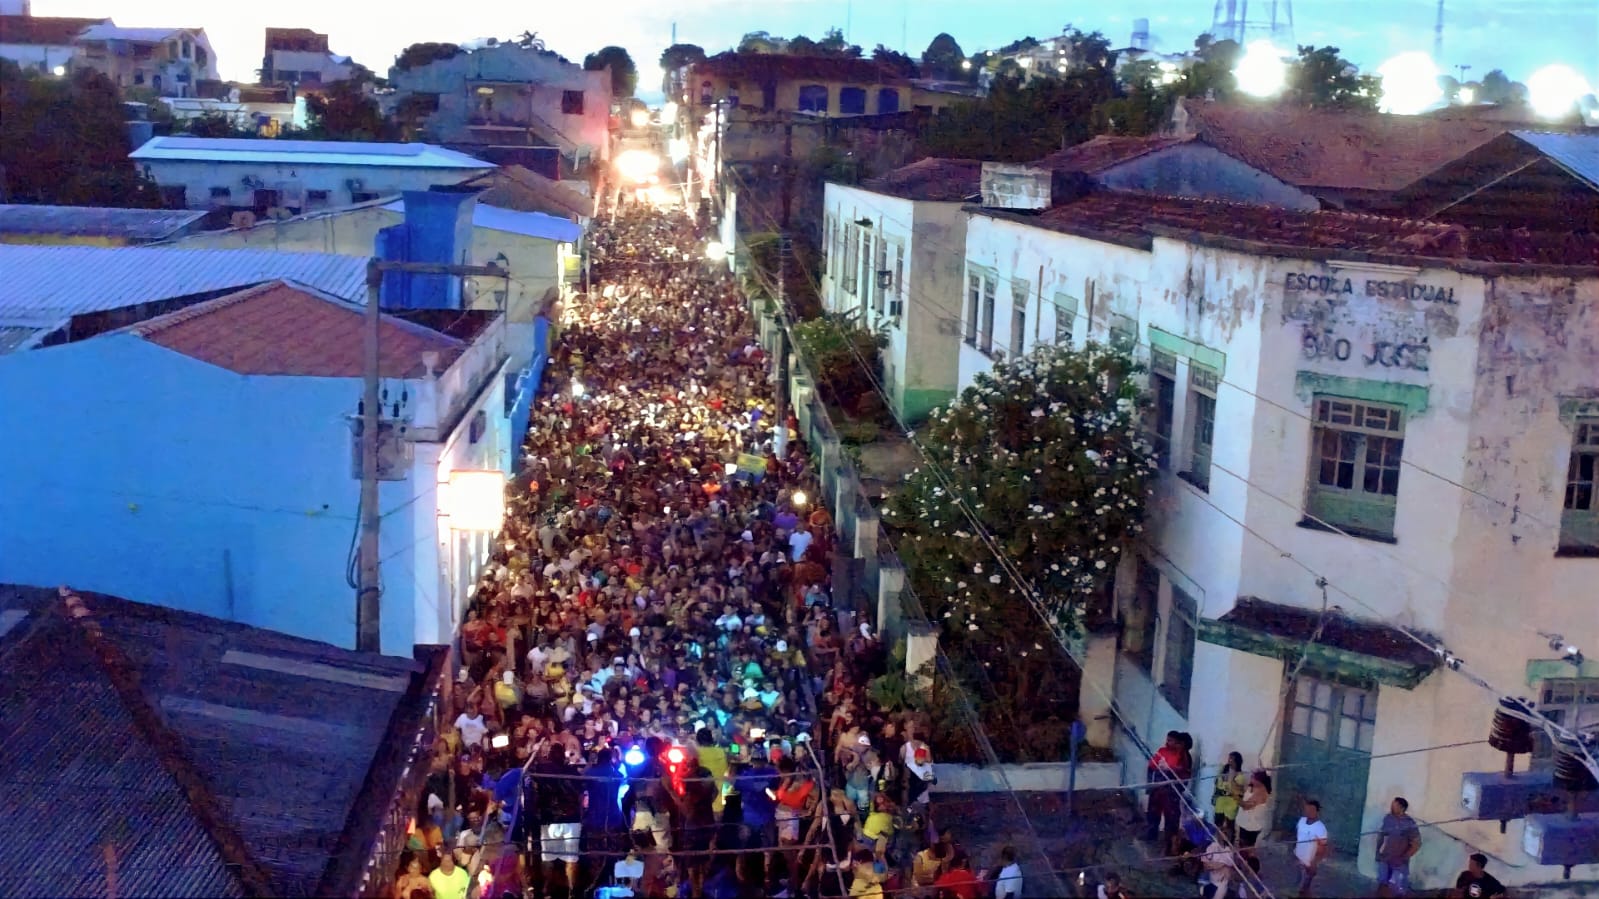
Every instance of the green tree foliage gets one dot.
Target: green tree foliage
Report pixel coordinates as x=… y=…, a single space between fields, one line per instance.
x=214 y=124
x=345 y=112
x=65 y=141
x=943 y=58
x=1321 y=79
x=1047 y=454
x=834 y=44
x=903 y=65
x=800 y=45
x=680 y=55
x=624 y=73
x=418 y=55
x=835 y=347
x=1211 y=74
x=1496 y=87
x=758 y=42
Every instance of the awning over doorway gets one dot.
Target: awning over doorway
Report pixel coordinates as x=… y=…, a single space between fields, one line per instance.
x=1348 y=648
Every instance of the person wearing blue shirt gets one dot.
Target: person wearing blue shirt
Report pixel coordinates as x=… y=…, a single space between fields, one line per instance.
x=755 y=785
x=603 y=827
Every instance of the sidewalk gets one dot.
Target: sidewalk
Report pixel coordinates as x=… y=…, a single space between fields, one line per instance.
x=1337 y=879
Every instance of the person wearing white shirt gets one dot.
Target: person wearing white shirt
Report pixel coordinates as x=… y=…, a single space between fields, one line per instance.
x=1310 y=845
x=1008 y=884
x=472 y=729
x=798 y=543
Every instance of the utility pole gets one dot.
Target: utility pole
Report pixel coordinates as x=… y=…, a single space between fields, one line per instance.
x=368 y=634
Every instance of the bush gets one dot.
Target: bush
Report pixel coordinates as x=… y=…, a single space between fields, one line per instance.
x=858 y=432
x=836 y=349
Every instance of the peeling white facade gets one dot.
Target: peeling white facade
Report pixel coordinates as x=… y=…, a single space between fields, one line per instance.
x=1490 y=376
x=919 y=244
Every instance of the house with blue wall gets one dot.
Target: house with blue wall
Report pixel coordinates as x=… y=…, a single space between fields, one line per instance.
x=206 y=460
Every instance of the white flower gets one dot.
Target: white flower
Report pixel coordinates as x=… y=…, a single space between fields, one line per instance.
x=1100 y=564
x=993 y=579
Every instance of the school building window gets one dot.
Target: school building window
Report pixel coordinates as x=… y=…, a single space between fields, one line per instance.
x=1579 y=520
x=1202 y=384
x=1177 y=668
x=1354 y=478
x=1163 y=384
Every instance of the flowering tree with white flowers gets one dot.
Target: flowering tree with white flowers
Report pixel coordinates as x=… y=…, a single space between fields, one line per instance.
x=1047 y=454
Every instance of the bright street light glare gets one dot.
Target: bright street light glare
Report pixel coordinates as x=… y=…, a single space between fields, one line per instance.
x=1554 y=90
x=669 y=113
x=1262 y=72
x=638 y=165
x=1466 y=96
x=60 y=71
x=639 y=118
x=715 y=251
x=1409 y=83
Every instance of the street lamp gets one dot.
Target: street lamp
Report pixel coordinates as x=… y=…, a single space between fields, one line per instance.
x=60 y=71
x=715 y=251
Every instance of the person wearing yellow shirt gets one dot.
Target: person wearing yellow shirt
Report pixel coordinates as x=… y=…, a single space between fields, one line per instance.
x=714 y=760
x=449 y=880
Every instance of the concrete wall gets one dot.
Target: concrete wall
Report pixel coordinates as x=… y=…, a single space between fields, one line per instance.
x=197 y=178
x=787 y=94
x=525 y=84
x=919 y=361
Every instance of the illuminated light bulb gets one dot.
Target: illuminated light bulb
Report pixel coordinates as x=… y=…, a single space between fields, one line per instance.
x=799 y=498
x=1466 y=96
x=1262 y=72
x=577 y=388
x=1555 y=90
x=675 y=755
x=1409 y=83
x=634 y=756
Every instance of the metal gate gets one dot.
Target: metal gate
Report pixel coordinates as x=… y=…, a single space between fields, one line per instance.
x=1326 y=755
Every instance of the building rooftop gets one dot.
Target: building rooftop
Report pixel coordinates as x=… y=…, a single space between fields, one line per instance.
x=1136 y=218
x=284 y=328
x=110 y=31
x=524 y=190
x=527 y=224
x=305 y=152
x=55 y=31
x=1333 y=150
x=1103 y=152
x=219 y=759
x=785 y=67
x=931 y=179
x=1576 y=153
x=44 y=286
x=96 y=221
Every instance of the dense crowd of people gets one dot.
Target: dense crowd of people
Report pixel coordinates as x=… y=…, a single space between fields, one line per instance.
x=654 y=670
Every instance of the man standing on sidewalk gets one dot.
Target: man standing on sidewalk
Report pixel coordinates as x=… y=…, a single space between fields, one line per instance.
x=1398 y=840
x=1310 y=845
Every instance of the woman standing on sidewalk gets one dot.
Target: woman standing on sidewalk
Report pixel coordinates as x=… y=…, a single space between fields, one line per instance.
x=1231 y=784
x=1254 y=812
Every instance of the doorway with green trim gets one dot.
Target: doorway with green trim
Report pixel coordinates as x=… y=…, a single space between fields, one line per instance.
x=1326 y=756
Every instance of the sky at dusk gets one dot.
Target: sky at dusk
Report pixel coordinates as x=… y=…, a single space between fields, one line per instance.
x=1518 y=36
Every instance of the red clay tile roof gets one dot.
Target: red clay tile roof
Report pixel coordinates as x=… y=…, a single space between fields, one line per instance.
x=1135 y=217
x=1094 y=156
x=280 y=328
x=934 y=179
x=1338 y=150
x=757 y=67
x=48 y=30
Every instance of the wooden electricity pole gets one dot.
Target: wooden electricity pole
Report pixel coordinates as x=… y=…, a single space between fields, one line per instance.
x=368 y=634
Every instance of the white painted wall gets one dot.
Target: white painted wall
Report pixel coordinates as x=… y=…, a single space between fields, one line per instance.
x=197 y=178
x=920 y=359
x=1473 y=556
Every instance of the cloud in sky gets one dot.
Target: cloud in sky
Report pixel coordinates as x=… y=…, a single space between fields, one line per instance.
x=1518 y=36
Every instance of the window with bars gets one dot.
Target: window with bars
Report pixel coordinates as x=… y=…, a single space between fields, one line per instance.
x=1572 y=703
x=1177 y=668
x=880 y=265
x=1202 y=383
x=1356 y=448
x=848 y=249
x=1139 y=618
x=897 y=305
x=985 y=333
x=864 y=276
x=1123 y=332
x=1065 y=317
x=1019 y=291
x=1163 y=384
x=1579 y=520
x=974 y=298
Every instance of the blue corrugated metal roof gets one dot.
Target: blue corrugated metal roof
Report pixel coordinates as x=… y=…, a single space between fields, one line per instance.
x=81 y=774
x=306 y=152
x=1576 y=153
x=56 y=282
x=96 y=221
x=531 y=224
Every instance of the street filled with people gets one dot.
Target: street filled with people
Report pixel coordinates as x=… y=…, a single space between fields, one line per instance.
x=657 y=690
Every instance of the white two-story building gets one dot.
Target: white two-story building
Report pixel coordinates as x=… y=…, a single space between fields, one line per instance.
x=1377 y=437
x=893 y=248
